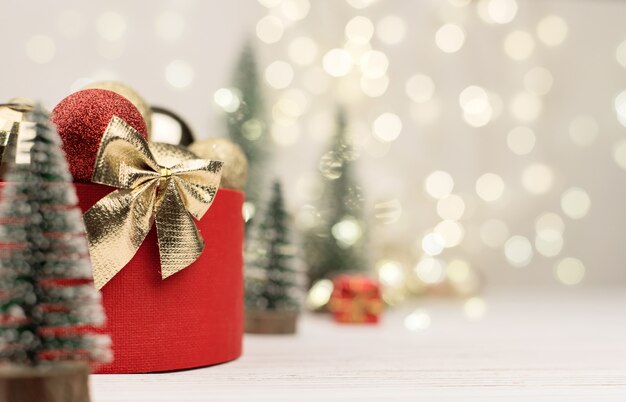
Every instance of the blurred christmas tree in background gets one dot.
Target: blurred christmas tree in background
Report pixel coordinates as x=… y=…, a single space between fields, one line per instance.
x=47 y=300
x=246 y=123
x=335 y=244
x=271 y=281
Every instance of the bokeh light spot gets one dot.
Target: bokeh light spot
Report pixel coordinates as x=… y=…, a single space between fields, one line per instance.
x=450 y=38
x=538 y=81
x=279 y=74
x=302 y=50
x=374 y=87
x=391 y=29
x=418 y=320
x=490 y=187
x=270 y=29
x=40 y=49
x=583 y=130
x=430 y=270
x=494 y=233
x=525 y=107
x=521 y=140
x=575 y=203
x=462 y=278
x=337 y=62
x=270 y=3
x=620 y=54
x=295 y=10
x=359 y=30
x=620 y=108
x=619 y=154
x=420 y=88
x=391 y=273
x=552 y=30
x=439 y=184
x=519 y=45
x=518 y=251
x=373 y=64
x=537 y=178
x=451 y=232
x=549 y=224
x=502 y=11
x=458 y=271
x=475 y=308
x=432 y=244
x=228 y=99
x=319 y=294
x=347 y=232
x=548 y=246
x=360 y=4
x=179 y=74
x=387 y=127
x=111 y=25
x=451 y=207
x=570 y=271
x=477 y=109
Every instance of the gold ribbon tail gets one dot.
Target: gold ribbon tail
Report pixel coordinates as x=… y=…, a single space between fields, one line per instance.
x=180 y=243
x=116 y=226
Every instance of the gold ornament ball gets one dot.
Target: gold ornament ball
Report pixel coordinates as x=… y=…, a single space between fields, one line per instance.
x=23 y=103
x=14 y=111
x=130 y=94
x=12 y=115
x=235 y=171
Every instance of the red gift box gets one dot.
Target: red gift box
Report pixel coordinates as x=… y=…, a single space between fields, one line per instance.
x=356 y=299
x=193 y=318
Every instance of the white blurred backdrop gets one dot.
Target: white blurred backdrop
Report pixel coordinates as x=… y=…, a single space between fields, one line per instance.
x=491 y=133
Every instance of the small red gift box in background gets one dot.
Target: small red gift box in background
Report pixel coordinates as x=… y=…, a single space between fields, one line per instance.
x=356 y=299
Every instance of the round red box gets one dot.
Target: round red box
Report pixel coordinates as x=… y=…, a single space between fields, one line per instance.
x=191 y=319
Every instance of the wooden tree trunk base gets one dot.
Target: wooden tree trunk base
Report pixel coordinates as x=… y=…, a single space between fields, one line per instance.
x=271 y=322
x=67 y=382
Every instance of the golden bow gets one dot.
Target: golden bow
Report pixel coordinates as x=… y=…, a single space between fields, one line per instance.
x=147 y=191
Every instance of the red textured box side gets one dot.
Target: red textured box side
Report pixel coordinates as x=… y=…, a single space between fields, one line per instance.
x=191 y=319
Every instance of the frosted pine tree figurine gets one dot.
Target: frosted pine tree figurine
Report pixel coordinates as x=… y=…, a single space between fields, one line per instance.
x=48 y=304
x=271 y=280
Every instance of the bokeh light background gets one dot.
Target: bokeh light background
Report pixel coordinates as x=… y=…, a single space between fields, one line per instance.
x=491 y=134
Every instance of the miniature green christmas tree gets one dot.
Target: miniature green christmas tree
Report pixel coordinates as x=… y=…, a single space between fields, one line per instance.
x=335 y=244
x=48 y=305
x=270 y=275
x=247 y=126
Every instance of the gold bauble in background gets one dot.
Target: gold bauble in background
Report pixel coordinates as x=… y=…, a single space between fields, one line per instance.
x=25 y=104
x=235 y=171
x=13 y=115
x=130 y=94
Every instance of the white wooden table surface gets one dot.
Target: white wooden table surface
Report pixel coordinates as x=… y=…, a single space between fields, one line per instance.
x=529 y=346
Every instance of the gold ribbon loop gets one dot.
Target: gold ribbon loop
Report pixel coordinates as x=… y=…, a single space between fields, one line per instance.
x=147 y=192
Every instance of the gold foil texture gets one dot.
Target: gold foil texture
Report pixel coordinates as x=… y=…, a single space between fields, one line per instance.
x=155 y=183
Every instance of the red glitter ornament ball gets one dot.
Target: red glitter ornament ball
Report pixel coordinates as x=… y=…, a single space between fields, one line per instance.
x=81 y=119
